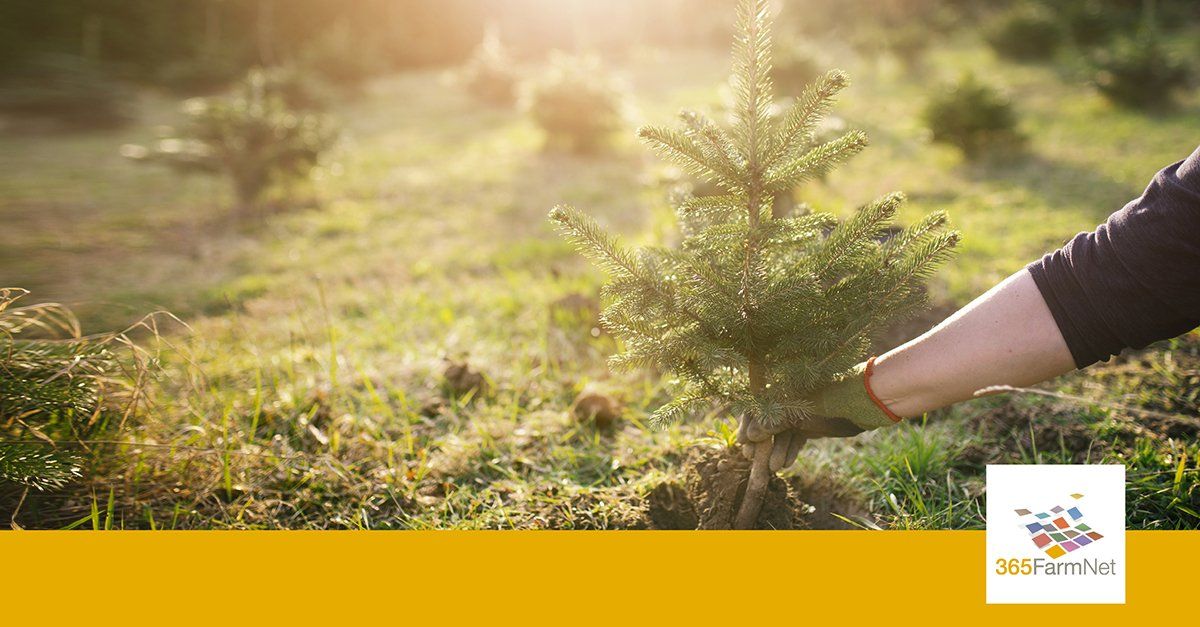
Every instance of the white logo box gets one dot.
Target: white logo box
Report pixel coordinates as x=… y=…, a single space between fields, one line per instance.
x=1055 y=534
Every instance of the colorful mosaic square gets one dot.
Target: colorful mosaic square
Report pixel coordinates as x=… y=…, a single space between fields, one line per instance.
x=1052 y=532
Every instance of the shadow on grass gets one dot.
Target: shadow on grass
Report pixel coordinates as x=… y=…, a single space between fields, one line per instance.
x=1061 y=184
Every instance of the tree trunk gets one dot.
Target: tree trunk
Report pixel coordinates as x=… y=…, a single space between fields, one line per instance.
x=756 y=487
x=760 y=471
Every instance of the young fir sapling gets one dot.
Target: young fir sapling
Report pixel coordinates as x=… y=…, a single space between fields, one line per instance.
x=254 y=137
x=490 y=75
x=751 y=310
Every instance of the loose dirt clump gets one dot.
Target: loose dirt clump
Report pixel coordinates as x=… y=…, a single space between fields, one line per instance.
x=711 y=491
x=460 y=378
x=829 y=502
x=594 y=405
x=715 y=481
x=668 y=507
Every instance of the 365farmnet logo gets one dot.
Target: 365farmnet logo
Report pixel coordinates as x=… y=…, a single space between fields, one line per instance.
x=1056 y=532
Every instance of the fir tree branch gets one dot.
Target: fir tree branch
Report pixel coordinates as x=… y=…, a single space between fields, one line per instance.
x=923 y=264
x=34 y=466
x=802 y=118
x=675 y=410
x=922 y=260
x=690 y=371
x=717 y=206
x=916 y=232
x=582 y=231
x=679 y=148
x=606 y=251
x=718 y=148
x=752 y=79
x=815 y=162
x=863 y=226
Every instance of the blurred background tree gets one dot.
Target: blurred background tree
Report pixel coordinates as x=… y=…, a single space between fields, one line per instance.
x=976 y=117
x=577 y=101
x=200 y=45
x=157 y=42
x=252 y=137
x=490 y=75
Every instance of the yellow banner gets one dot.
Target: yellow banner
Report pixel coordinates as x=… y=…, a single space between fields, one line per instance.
x=561 y=578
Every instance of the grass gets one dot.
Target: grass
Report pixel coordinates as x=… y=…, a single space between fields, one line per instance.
x=308 y=391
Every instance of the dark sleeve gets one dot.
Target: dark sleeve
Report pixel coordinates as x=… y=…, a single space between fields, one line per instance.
x=1136 y=278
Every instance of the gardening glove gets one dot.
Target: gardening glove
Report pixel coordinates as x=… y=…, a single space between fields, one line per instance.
x=841 y=409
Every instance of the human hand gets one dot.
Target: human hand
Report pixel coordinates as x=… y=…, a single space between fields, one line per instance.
x=786 y=444
x=841 y=409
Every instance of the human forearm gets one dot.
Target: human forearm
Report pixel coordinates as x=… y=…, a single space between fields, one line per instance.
x=1130 y=282
x=1007 y=336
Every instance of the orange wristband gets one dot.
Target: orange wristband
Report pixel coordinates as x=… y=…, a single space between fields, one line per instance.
x=871 y=393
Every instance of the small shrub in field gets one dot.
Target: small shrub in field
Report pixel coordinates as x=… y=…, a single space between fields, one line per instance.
x=252 y=137
x=1139 y=72
x=577 y=102
x=973 y=116
x=461 y=378
x=490 y=75
x=66 y=90
x=56 y=385
x=597 y=406
x=795 y=67
x=1026 y=32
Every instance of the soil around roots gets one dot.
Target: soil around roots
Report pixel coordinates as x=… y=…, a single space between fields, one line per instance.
x=714 y=482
